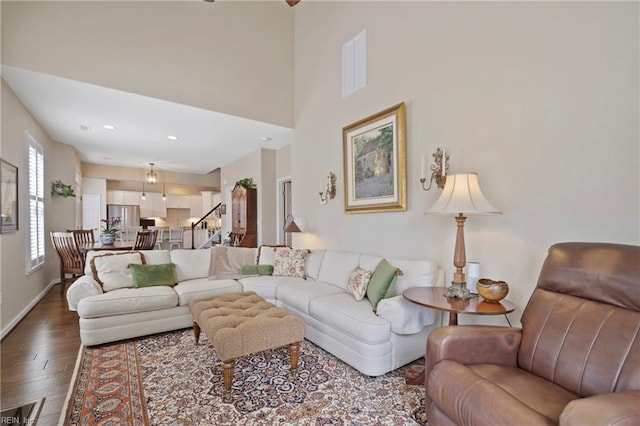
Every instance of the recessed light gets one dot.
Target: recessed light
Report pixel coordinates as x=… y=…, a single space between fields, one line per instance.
x=173 y=138
x=109 y=127
x=265 y=138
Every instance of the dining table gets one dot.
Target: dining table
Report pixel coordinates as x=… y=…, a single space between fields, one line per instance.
x=97 y=246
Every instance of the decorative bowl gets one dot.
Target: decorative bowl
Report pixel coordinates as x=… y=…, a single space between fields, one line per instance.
x=492 y=291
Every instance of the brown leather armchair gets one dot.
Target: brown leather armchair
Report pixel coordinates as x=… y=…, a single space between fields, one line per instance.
x=576 y=360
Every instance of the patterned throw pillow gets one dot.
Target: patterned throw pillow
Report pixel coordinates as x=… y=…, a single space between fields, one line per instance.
x=289 y=262
x=358 y=281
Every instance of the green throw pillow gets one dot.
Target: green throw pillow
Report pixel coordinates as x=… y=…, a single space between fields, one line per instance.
x=256 y=270
x=265 y=269
x=249 y=270
x=150 y=275
x=380 y=282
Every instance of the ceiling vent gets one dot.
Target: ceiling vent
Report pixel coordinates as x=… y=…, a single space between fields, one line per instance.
x=85 y=128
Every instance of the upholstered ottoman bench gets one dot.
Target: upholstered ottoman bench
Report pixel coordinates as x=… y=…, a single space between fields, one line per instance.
x=239 y=324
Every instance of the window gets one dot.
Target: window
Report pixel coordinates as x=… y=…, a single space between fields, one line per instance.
x=35 y=206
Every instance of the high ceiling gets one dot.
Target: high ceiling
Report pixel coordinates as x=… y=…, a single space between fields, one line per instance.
x=210 y=74
x=75 y=113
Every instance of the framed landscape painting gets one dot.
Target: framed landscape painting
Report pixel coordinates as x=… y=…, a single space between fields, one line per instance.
x=8 y=197
x=375 y=157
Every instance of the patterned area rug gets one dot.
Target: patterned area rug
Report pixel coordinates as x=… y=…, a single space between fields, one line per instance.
x=166 y=379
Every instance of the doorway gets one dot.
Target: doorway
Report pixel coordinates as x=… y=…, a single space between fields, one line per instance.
x=91 y=213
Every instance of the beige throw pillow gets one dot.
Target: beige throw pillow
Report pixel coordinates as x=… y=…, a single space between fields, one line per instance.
x=112 y=271
x=289 y=262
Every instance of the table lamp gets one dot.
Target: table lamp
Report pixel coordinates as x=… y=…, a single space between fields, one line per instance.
x=461 y=197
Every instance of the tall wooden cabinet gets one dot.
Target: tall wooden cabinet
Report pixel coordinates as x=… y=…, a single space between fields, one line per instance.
x=244 y=214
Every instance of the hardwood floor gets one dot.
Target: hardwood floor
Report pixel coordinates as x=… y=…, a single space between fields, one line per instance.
x=38 y=357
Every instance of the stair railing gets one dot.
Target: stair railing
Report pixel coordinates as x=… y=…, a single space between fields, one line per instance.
x=203 y=218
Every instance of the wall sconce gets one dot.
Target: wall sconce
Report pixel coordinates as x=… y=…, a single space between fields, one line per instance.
x=439 y=169
x=330 y=190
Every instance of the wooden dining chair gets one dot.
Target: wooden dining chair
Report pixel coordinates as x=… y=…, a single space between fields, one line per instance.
x=71 y=259
x=83 y=235
x=146 y=240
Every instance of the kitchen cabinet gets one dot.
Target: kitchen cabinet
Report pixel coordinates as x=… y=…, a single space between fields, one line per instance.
x=178 y=201
x=196 y=206
x=244 y=217
x=153 y=205
x=126 y=198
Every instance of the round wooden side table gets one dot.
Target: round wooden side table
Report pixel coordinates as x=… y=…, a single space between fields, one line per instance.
x=433 y=297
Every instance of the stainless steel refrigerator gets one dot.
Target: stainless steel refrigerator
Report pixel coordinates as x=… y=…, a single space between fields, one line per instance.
x=126 y=215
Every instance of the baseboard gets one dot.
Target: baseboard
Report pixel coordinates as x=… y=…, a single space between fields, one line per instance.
x=7 y=329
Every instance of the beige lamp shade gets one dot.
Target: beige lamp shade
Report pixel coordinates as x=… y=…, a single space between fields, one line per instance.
x=461 y=197
x=292 y=227
x=461 y=194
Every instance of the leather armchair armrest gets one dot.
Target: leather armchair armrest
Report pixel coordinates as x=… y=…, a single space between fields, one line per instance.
x=619 y=408
x=473 y=344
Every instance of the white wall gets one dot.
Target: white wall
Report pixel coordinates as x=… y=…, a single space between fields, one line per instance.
x=540 y=98
x=18 y=291
x=227 y=56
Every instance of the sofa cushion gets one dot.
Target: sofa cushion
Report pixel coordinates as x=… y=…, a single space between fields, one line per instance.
x=191 y=264
x=415 y=273
x=127 y=301
x=151 y=257
x=266 y=254
x=111 y=270
x=405 y=317
x=336 y=267
x=150 y=275
x=312 y=266
x=354 y=318
x=299 y=294
x=267 y=286
x=368 y=262
x=156 y=257
x=204 y=287
x=290 y=262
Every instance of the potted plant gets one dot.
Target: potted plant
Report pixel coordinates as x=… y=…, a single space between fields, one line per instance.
x=109 y=231
x=61 y=189
x=246 y=183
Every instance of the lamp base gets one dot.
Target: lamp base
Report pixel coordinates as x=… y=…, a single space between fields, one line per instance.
x=458 y=290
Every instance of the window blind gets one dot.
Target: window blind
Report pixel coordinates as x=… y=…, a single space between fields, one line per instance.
x=35 y=179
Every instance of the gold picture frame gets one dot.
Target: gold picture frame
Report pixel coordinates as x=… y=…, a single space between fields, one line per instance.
x=375 y=159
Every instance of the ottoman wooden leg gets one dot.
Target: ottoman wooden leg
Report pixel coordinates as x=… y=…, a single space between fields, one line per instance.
x=294 y=351
x=196 y=331
x=227 y=375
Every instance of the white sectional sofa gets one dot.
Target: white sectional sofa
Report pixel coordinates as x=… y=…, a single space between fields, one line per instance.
x=372 y=342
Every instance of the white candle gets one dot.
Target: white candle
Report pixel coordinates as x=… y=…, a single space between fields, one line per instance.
x=444 y=162
x=422 y=167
